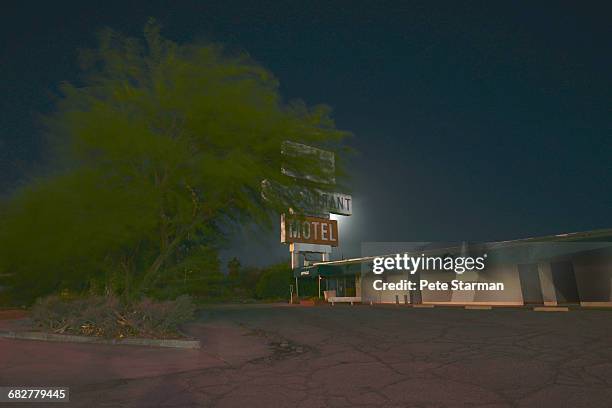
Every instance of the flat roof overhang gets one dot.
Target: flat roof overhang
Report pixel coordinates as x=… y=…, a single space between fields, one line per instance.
x=517 y=251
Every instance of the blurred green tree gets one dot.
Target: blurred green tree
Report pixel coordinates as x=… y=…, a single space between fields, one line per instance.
x=161 y=149
x=233 y=271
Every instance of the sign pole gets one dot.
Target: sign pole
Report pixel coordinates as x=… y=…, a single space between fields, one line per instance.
x=295 y=258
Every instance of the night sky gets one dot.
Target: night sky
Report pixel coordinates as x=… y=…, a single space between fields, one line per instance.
x=474 y=121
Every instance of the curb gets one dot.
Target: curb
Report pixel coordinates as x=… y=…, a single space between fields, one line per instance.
x=69 y=338
x=551 y=309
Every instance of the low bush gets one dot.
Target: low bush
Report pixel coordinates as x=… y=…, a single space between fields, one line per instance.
x=161 y=318
x=107 y=316
x=274 y=283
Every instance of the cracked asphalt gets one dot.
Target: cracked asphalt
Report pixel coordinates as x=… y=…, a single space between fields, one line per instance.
x=341 y=356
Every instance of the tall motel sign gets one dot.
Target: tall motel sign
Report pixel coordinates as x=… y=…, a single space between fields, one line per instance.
x=311 y=231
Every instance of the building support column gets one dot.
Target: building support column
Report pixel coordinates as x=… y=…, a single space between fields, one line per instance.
x=549 y=293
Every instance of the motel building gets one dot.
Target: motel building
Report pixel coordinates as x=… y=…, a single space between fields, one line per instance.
x=567 y=269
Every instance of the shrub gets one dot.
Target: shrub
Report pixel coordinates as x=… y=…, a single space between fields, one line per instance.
x=107 y=316
x=274 y=283
x=162 y=317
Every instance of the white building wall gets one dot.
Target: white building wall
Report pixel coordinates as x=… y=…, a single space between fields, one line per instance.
x=594 y=278
x=512 y=294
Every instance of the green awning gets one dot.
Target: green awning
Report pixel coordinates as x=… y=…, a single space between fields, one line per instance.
x=326 y=270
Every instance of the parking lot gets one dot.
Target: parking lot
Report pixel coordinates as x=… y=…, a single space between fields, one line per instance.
x=391 y=356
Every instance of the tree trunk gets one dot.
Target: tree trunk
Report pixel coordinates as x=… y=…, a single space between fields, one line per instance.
x=163 y=256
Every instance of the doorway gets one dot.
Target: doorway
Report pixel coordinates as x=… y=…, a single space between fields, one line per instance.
x=343 y=285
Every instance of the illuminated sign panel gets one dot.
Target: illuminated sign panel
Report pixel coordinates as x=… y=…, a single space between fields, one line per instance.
x=310 y=230
x=309 y=201
x=335 y=203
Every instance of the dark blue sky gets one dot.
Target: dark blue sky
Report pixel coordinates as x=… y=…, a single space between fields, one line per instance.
x=474 y=120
